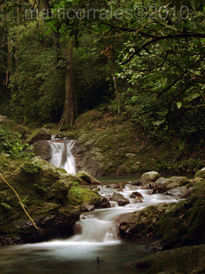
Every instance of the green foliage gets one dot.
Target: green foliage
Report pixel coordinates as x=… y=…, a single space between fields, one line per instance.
x=6 y=206
x=11 y=143
x=183 y=166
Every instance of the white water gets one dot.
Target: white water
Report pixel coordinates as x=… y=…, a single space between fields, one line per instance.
x=98 y=227
x=61 y=155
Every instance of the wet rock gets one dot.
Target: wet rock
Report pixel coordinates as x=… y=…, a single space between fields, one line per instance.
x=163 y=185
x=179 y=192
x=120 y=199
x=88 y=208
x=149 y=177
x=137 y=195
x=42 y=148
x=118 y=187
x=148 y=186
x=140 y=224
x=103 y=203
x=77 y=228
x=200 y=173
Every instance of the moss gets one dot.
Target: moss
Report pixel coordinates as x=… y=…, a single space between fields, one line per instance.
x=180 y=260
x=79 y=195
x=184 y=225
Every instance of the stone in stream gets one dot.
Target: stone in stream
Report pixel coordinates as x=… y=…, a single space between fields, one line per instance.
x=138 y=196
x=120 y=199
x=163 y=185
x=149 y=177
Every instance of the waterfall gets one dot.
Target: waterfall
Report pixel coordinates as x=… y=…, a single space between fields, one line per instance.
x=61 y=155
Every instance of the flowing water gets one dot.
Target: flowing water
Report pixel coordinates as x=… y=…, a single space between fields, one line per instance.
x=95 y=248
x=61 y=155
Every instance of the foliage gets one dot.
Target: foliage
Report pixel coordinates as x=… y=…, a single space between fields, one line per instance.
x=11 y=144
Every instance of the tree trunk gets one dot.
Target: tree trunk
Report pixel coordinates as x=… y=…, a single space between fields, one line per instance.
x=68 y=112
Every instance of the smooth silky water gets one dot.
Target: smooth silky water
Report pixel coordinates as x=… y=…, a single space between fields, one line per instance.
x=96 y=247
x=78 y=254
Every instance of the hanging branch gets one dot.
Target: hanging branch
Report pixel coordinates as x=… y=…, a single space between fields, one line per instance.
x=20 y=201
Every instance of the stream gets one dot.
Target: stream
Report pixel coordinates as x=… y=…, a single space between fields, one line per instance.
x=95 y=248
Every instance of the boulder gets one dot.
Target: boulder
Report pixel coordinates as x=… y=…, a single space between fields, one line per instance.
x=140 y=225
x=163 y=185
x=200 y=173
x=179 y=192
x=54 y=200
x=88 y=179
x=149 y=177
x=42 y=148
x=120 y=199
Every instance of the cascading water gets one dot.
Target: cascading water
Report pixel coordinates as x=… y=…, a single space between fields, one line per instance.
x=61 y=155
x=95 y=249
x=95 y=238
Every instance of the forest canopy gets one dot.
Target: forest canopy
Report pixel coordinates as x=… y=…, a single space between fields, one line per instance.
x=143 y=60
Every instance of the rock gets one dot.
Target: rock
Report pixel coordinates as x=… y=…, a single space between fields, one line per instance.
x=140 y=224
x=200 y=173
x=88 y=179
x=88 y=208
x=120 y=199
x=179 y=192
x=149 y=177
x=54 y=201
x=137 y=195
x=188 y=259
x=119 y=187
x=42 y=148
x=103 y=203
x=37 y=135
x=184 y=224
x=163 y=185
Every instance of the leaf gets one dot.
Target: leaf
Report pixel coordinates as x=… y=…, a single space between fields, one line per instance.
x=179 y=105
x=5 y=205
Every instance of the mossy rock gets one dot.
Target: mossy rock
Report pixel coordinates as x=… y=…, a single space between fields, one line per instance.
x=141 y=224
x=79 y=195
x=185 y=224
x=181 y=260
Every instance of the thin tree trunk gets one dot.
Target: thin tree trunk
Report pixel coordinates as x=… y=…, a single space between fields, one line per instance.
x=117 y=93
x=68 y=112
x=17 y=44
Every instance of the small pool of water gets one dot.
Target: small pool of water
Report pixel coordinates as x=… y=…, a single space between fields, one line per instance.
x=59 y=257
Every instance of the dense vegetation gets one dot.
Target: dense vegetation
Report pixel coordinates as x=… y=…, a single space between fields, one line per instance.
x=142 y=61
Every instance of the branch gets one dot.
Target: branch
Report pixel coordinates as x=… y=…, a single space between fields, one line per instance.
x=171 y=85
x=167 y=37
